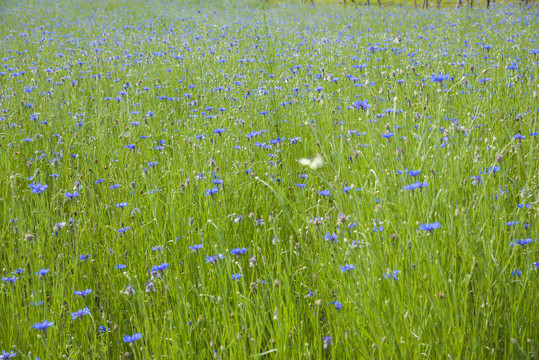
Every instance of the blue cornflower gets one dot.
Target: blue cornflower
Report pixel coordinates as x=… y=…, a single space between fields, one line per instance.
x=327 y=341
x=346 y=268
x=439 y=78
x=120 y=266
x=153 y=163
x=236 y=276
x=195 y=248
x=516 y=272
x=363 y=105
x=324 y=192
x=394 y=275
x=84 y=257
x=42 y=272
x=157 y=248
x=37 y=188
x=7 y=355
x=42 y=326
x=132 y=338
x=160 y=267
x=387 y=135
x=430 y=227
x=102 y=329
x=211 y=259
x=130 y=146
x=122 y=230
x=10 y=279
x=331 y=238
x=414 y=173
x=83 y=293
x=238 y=251
x=337 y=304
x=80 y=313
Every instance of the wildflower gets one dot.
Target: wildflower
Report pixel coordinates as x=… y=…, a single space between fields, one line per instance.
x=324 y=192
x=150 y=286
x=10 y=279
x=7 y=355
x=157 y=248
x=160 y=267
x=122 y=230
x=211 y=259
x=120 y=266
x=236 y=276
x=346 y=268
x=42 y=272
x=37 y=188
x=439 y=78
x=332 y=238
x=80 y=313
x=430 y=227
x=128 y=290
x=84 y=257
x=132 y=338
x=337 y=304
x=102 y=329
x=83 y=293
x=363 y=105
x=516 y=272
x=43 y=326
x=121 y=205
x=327 y=341
x=392 y=275
x=238 y=251
x=195 y=248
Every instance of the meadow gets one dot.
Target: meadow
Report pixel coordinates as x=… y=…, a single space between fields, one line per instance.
x=246 y=180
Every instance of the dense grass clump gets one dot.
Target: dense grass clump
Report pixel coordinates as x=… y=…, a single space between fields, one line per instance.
x=232 y=181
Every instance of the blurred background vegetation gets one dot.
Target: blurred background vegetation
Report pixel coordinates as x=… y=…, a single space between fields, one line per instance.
x=420 y=4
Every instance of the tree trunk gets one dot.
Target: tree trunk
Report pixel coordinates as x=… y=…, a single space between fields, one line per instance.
x=368 y=2
x=459 y=4
x=439 y=2
x=471 y=4
x=379 y=3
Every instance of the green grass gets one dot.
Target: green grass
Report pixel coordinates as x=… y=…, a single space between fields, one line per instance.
x=455 y=296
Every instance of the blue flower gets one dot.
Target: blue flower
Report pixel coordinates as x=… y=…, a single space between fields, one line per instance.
x=42 y=326
x=83 y=293
x=236 y=276
x=363 y=105
x=346 y=268
x=439 y=78
x=332 y=238
x=337 y=304
x=195 y=248
x=238 y=251
x=430 y=227
x=394 y=275
x=516 y=272
x=84 y=257
x=7 y=355
x=80 y=313
x=120 y=266
x=160 y=267
x=42 y=272
x=132 y=338
x=37 y=188
x=324 y=192
x=10 y=279
x=211 y=259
